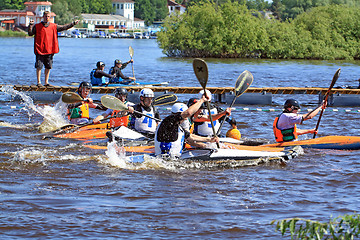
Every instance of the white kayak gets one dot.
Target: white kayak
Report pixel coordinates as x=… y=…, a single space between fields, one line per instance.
x=249 y=156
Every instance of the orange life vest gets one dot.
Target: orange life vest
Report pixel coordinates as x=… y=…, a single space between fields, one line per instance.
x=285 y=135
x=118 y=121
x=46 y=40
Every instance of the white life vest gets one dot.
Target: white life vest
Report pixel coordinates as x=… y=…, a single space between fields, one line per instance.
x=205 y=128
x=145 y=124
x=173 y=149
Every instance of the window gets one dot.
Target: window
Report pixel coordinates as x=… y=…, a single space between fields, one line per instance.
x=117 y=6
x=121 y=6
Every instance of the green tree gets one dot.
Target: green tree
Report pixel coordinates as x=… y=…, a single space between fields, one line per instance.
x=63 y=15
x=12 y=4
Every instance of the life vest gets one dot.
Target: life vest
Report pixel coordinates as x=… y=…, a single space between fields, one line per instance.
x=114 y=79
x=285 y=135
x=96 y=81
x=80 y=112
x=145 y=124
x=174 y=149
x=118 y=121
x=205 y=128
x=46 y=41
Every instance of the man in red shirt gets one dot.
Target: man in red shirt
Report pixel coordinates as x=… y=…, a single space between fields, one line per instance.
x=46 y=44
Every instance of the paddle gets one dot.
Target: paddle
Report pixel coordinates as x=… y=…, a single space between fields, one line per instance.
x=71 y=97
x=131 y=52
x=201 y=72
x=242 y=83
x=165 y=99
x=73 y=127
x=116 y=104
x=335 y=78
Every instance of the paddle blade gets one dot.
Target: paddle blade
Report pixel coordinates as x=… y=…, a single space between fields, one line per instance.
x=243 y=82
x=113 y=103
x=201 y=71
x=71 y=97
x=335 y=78
x=131 y=51
x=165 y=99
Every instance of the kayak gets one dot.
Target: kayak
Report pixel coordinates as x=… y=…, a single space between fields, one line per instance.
x=88 y=132
x=226 y=158
x=134 y=84
x=328 y=142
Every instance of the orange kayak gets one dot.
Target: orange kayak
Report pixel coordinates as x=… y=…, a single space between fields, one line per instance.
x=87 y=132
x=329 y=142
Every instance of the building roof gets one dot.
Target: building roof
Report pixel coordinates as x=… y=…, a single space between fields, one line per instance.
x=38 y=3
x=122 y=1
x=173 y=3
x=106 y=17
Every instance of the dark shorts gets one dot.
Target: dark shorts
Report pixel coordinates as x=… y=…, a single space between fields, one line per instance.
x=42 y=60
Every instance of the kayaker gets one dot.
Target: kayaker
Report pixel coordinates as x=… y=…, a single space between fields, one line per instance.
x=234 y=131
x=284 y=125
x=122 y=117
x=119 y=76
x=141 y=123
x=98 y=77
x=46 y=44
x=78 y=113
x=170 y=136
x=201 y=119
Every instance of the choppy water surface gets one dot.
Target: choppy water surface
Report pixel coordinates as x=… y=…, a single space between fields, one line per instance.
x=59 y=189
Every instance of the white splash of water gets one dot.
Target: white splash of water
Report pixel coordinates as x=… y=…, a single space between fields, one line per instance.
x=54 y=117
x=117 y=157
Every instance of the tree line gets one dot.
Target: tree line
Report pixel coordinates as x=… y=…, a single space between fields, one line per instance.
x=156 y=10
x=231 y=30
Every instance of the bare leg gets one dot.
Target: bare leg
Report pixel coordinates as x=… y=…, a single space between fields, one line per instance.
x=38 y=75
x=47 y=74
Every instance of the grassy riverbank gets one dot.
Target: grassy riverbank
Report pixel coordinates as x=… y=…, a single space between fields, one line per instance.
x=9 y=33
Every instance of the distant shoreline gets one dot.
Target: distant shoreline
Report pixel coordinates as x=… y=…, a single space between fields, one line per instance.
x=9 y=33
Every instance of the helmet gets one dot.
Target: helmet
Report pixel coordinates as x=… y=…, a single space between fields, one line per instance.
x=234 y=133
x=191 y=102
x=208 y=94
x=120 y=91
x=146 y=92
x=117 y=61
x=100 y=64
x=179 y=107
x=291 y=102
x=85 y=85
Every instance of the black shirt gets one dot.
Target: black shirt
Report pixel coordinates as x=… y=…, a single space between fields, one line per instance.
x=168 y=129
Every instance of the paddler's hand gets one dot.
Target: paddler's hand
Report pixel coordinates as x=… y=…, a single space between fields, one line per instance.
x=131 y=61
x=88 y=100
x=227 y=111
x=214 y=139
x=131 y=109
x=205 y=99
x=324 y=104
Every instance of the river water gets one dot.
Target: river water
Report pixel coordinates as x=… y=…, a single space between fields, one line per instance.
x=60 y=189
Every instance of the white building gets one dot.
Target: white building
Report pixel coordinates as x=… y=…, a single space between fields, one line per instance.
x=174 y=6
x=124 y=8
x=33 y=11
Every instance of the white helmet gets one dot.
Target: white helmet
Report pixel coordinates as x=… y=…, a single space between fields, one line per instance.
x=146 y=92
x=208 y=94
x=178 y=107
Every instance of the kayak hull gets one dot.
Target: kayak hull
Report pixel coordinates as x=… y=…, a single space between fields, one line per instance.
x=228 y=158
x=328 y=142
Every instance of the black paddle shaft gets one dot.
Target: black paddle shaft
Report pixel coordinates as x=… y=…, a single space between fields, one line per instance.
x=335 y=78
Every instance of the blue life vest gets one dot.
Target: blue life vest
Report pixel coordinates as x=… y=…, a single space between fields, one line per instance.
x=97 y=81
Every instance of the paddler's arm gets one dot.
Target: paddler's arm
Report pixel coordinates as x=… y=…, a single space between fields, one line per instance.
x=31 y=29
x=206 y=118
x=301 y=132
x=193 y=108
x=61 y=28
x=313 y=113
x=196 y=138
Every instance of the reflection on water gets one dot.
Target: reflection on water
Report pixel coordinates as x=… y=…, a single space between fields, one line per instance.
x=57 y=188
